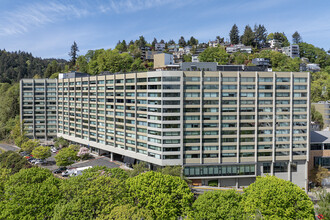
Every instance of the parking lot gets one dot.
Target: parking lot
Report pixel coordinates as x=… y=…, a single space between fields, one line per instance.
x=94 y=161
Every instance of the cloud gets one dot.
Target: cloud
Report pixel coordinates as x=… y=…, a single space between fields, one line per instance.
x=124 y=6
x=25 y=17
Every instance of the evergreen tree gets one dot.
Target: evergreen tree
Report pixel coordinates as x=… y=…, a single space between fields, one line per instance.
x=260 y=35
x=296 y=38
x=182 y=42
x=234 y=35
x=248 y=36
x=219 y=39
x=73 y=53
x=192 y=41
x=154 y=42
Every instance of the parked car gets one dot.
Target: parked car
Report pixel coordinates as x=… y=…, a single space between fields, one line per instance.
x=68 y=172
x=54 y=150
x=39 y=161
x=33 y=160
x=24 y=154
x=60 y=170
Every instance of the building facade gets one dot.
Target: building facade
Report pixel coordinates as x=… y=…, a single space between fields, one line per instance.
x=224 y=127
x=324 y=108
x=38 y=108
x=291 y=51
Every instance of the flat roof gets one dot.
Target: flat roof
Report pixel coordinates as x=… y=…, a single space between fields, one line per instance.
x=320 y=137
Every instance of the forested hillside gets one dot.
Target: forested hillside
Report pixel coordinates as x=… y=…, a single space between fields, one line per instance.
x=17 y=65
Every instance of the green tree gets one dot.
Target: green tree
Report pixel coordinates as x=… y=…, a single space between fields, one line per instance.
x=276 y=198
x=41 y=152
x=30 y=145
x=296 y=38
x=187 y=58
x=314 y=54
x=192 y=41
x=154 y=42
x=52 y=68
x=138 y=65
x=214 y=54
x=138 y=169
x=74 y=53
x=182 y=42
x=317 y=117
x=18 y=134
x=30 y=194
x=141 y=42
x=54 y=76
x=82 y=64
x=94 y=193
x=320 y=86
x=318 y=174
x=61 y=142
x=324 y=203
x=4 y=176
x=74 y=147
x=168 y=197
x=218 y=205
x=13 y=161
x=234 y=35
x=260 y=35
x=66 y=157
x=127 y=212
x=248 y=37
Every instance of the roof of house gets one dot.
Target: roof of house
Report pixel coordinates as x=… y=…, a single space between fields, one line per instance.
x=320 y=136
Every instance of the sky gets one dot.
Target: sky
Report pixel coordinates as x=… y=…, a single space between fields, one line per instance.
x=48 y=28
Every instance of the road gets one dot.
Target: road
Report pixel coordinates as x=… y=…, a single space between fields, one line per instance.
x=7 y=147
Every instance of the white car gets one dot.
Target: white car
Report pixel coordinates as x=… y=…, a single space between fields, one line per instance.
x=54 y=150
x=39 y=161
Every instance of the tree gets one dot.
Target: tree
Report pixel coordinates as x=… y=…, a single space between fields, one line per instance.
x=138 y=169
x=29 y=145
x=220 y=39
x=171 y=42
x=314 y=54
x=284 y=42
x=93 y=194
x=13 y=161
x=318 y=174
x=83 y=153
x=41 y=152
x=167 y=197
x=317 y=117
x=138 y=65
x=61 y=142
x=154 y=42
x=324 y=203
x=296 y=38
x=74 y=147
x=18 y=134
x=234 y=35
x=260 y=33
x=214 y=54
x=276 y=198
x=187 y=57
x=30 y=194
x=218 y=205
x=248 y=37
x=182 y=42
x=141 y=42
x=73 y=53
x=127 y=212
x=66 y=157
x=82 y=64
x=192 y=41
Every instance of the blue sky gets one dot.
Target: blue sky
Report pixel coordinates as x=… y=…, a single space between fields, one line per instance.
x=47 y=28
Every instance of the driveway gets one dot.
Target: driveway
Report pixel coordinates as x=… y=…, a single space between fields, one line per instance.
x=7 y=147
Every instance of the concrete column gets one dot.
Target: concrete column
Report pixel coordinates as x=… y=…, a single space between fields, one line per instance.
x=111 y=156
x=237 y=184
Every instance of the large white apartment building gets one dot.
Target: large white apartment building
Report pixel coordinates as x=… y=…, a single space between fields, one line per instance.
x=224 y=127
